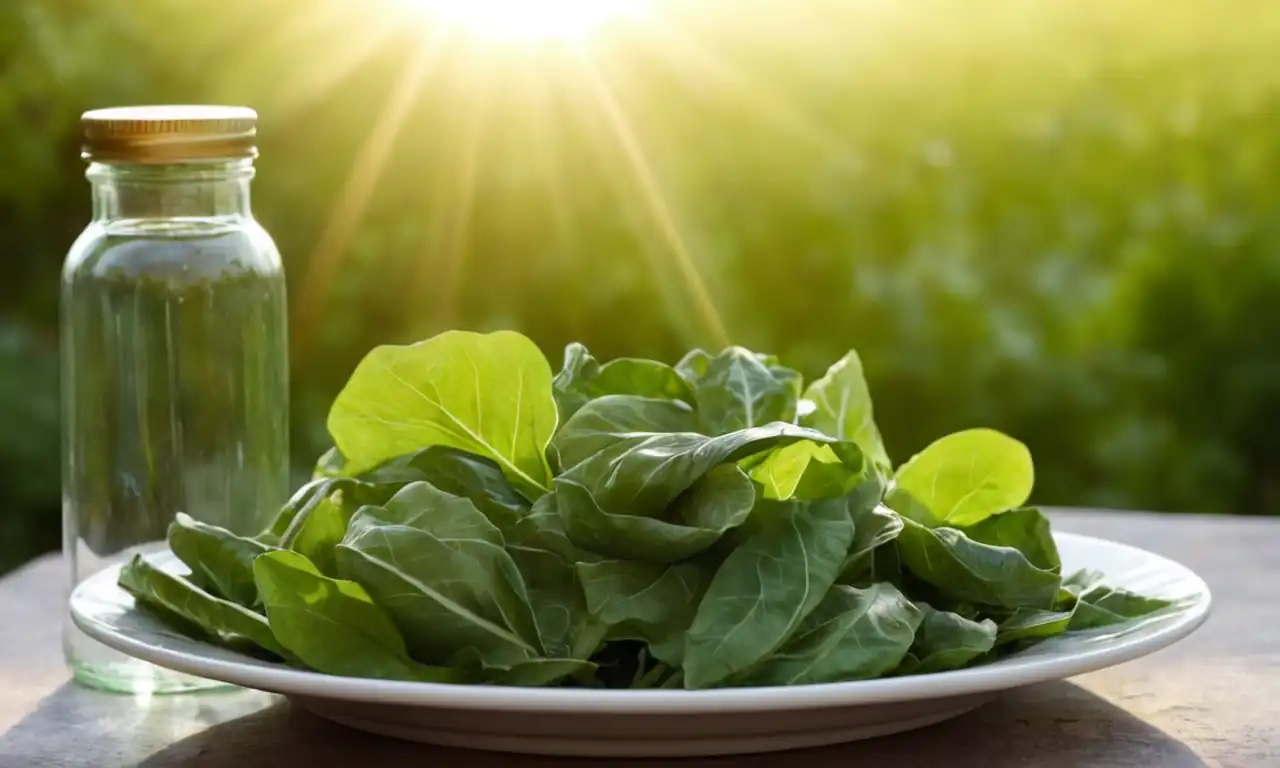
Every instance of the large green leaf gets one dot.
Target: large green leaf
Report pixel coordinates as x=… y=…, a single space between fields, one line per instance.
x=453 y=471
x=853 y=634
x=718 y=502
x=842 y=408
x=946 y=641
x=737 y=390
x=1026 y=530
x=645 y=601
x=220 y=618
x=582 y=379
x=220 y=561
x=966 y=477
x=970 y=570
x=440 y=570
x=766 y=586
x=641 y=473
x=565 y=626
x=603 y=421
x=331 y=625
x=489 y=394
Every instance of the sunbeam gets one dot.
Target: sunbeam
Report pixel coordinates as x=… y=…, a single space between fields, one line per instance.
x=651 y=193
x=359 y=187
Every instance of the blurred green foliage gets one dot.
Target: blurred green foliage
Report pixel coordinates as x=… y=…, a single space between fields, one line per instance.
x=1059 y=218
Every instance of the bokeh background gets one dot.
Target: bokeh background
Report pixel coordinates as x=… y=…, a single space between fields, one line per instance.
x=1059 y=218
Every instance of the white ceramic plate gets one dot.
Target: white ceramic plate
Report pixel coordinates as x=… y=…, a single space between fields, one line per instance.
x=666 y=723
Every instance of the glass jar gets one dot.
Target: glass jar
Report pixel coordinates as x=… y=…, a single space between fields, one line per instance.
x=174 y=367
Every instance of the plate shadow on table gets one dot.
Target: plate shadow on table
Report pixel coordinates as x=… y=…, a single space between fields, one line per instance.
x=1049 y=725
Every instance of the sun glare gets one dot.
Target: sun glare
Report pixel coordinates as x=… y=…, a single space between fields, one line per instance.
x=526 y=20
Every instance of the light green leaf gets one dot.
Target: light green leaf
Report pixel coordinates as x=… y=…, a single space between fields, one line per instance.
x=970 y=570
x=332 y=625
x=966 y=477
x=489 y=394
x=767 y=586
x=321 y=531
x=853 y=634
x=842 y=408
x=220 y=618
x=220 y=561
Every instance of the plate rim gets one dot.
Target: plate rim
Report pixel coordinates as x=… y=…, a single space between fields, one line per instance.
x=1002 y=675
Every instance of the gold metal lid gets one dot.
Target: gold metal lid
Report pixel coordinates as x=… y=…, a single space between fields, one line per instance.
x=169 y=134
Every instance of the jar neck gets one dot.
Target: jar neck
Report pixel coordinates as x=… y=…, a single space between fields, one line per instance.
x=205 y=190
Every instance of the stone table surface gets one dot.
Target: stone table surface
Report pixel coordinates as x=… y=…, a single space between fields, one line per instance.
x=1211 y=700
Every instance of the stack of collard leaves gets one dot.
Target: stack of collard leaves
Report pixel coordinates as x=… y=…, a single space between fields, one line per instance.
x=630 y=525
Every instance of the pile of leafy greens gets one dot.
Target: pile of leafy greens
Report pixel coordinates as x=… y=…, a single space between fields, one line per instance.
x=629 y=525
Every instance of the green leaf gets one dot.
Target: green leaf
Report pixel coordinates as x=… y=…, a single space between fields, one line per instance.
x=853 y=634
x=738 y=391
x=876 y=526
x=332 y=625
x=488 y=394
x=969 y=570
x=453 y=471
x=1099 y=605
x=646 y=538
x=582 y=379
x=321 y=531
x=966 y=477
x=649 y=602
x=565 y=627
x=541 y=672
x=947 y=640
x=1032 y=624
x=642 y=473
x=220 y=618
x=603 y=421
x=220 y=561
x=1026 y=530
x=439 y=569
x=842 y=408
x=766 y=586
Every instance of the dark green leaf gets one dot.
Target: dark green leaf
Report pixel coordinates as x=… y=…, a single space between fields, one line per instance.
x=566 y=628
x=948 y=641
x=1099 y=605
x=648 y=602
x=969 y=570
x=321 y=531
x=765 y=588
x=601 y=422
x=853 y=634
x=876 y=526
x=1032 y=624
x=439 y=569
x=220 y=618
x=738 y=391
x=1026 y=530
x=220 y=561
x=332 y=625
x=582 y=379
